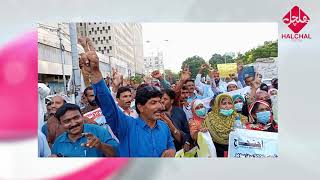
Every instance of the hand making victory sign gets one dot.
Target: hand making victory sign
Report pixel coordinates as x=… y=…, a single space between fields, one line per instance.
x=89 y=60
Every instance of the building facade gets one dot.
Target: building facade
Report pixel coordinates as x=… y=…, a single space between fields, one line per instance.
x=54 y=59
x=152 y=63
x=121 y=43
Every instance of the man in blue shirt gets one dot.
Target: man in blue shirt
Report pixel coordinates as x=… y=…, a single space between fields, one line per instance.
x=145 y=136
x=81 y=140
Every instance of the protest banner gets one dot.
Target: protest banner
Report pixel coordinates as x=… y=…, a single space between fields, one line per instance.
x=226 y=69
x=182 y=154
x=206 y=146
x=242 y=91
x=248 y=71
x=97 y=116
x=245 y=143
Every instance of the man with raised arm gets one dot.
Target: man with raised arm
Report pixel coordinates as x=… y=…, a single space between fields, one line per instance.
x=145 y=136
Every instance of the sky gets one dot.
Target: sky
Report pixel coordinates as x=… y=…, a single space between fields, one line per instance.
x=178 y=41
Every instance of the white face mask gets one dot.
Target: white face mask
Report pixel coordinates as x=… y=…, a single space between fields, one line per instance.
x=238 y=106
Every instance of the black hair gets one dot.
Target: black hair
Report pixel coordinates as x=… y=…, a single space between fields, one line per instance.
x=264 y=87
x=66 y=107
x=85 y=92
x=170 y=93
x=247 y=77
x=142 y=86
x=189 y=80
x=122 y=90
x=184 y=87
x=144 y=94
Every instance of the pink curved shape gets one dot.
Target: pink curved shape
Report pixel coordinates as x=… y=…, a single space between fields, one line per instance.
x=102 y=169
x=18 y=87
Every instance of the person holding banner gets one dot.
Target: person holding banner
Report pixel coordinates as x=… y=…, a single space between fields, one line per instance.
x=220 y=122
x=217 y=85
x=261 y=114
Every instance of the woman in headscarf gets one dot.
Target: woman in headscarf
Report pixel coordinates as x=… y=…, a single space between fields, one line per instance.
x=273 y=92
x=220 y=122
x=262 y=117
x=263 y=95
x=199 y=113
x=240 y=105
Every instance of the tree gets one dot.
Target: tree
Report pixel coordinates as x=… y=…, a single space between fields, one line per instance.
x=268 y=49
x=194 y=64
x=137 y=79
x=220 y=59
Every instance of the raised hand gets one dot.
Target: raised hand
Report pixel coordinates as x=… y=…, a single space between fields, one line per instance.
x=156 y=74
x=186 y=74
x=117 y=78
x=89 y=60
x=256 y=82
x=147 y=79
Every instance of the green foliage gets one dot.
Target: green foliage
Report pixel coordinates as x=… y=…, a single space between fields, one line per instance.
x=194 y=63
x=220 y=59
x=137 y=79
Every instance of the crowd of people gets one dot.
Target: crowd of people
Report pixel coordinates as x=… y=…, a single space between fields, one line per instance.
x=154 y=119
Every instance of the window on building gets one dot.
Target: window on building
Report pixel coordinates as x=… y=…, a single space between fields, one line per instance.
x=92 y=29
x=98 y=38
x=81 y=33
x=108 y=51
x=102 y=51
x=80 y=24
x=110 y=47
x=109 y=28
x=89 y=32
x=95 y=23
x=100 y=31
x=95 y=32
x=106 y=31
x=104 y=38
x=103 y=28
x=93 y=39
x=89 y=23
x=107 y=41
x=109 y=37
x=105 y=48
x=99 y=48
x=101 y=41
x=98 y=28
x=96 y=41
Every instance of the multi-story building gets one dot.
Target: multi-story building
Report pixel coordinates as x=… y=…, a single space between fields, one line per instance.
x=120 y=42
x=54 y=59
x=152 y=63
